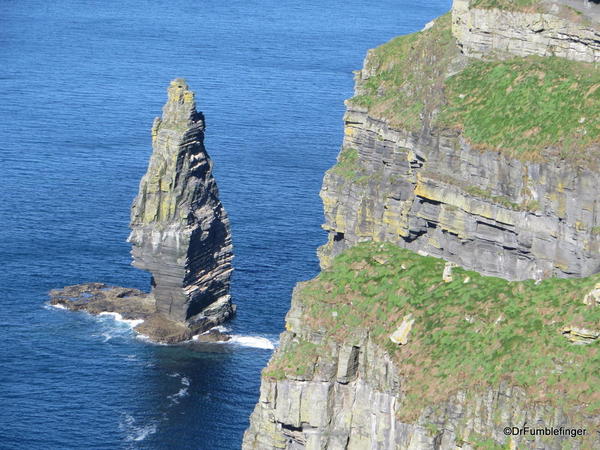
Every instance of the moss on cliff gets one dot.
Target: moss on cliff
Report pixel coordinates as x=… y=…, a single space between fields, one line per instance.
x=348 y=165
x=299 y=359
x=468 y=334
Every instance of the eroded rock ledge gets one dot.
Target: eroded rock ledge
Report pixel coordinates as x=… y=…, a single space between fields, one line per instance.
x=180 y=234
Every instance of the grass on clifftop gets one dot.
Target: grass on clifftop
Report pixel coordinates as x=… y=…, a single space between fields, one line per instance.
x=528 y=107
x=469 y=333
x=407 y=75
x=525 y=105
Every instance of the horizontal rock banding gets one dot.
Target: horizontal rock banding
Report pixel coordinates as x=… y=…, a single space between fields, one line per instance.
x=180 y=230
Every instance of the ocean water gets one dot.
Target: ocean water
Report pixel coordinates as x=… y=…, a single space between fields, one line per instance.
x=80 y=83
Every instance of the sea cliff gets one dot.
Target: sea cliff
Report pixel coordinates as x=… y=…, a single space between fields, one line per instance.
x=458 y=294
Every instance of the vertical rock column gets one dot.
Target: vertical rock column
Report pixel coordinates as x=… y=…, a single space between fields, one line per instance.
x=180 y=230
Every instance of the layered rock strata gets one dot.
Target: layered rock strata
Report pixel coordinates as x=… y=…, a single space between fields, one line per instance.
x=180 y=234
x=432 y=192
x=546 y=31
x=180 y=230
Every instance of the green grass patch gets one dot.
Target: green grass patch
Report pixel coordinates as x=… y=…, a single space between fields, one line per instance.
x=299 y=359
x=526 y=105
x=348 y=165
x=470 y=333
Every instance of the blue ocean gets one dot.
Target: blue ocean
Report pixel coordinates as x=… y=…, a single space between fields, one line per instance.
x=80 y=83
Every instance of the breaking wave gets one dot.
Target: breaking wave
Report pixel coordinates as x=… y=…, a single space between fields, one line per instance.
x=252 y=341
x=243 y=341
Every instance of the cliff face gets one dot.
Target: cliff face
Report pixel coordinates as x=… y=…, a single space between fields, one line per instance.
x=432 y=192
x=459 y=147
x=551 y=29
x=462 y=372
x=180 y=230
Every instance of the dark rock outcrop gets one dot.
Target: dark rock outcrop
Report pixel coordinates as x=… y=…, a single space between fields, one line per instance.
x=96 y=298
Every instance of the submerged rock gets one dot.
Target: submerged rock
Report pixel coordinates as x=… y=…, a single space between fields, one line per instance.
x=180 y=234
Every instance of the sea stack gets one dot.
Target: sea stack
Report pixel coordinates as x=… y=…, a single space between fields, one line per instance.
x=180 y=233
x=180 y=230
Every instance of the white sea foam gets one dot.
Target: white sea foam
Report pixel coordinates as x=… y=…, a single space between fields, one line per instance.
x=114 y=326
x=244 y=341
x=252 y=341
x=57 y=306
x=219 y=328
x=147 y=340
x=119 y=318
x=135 y=432
x=183 y=392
